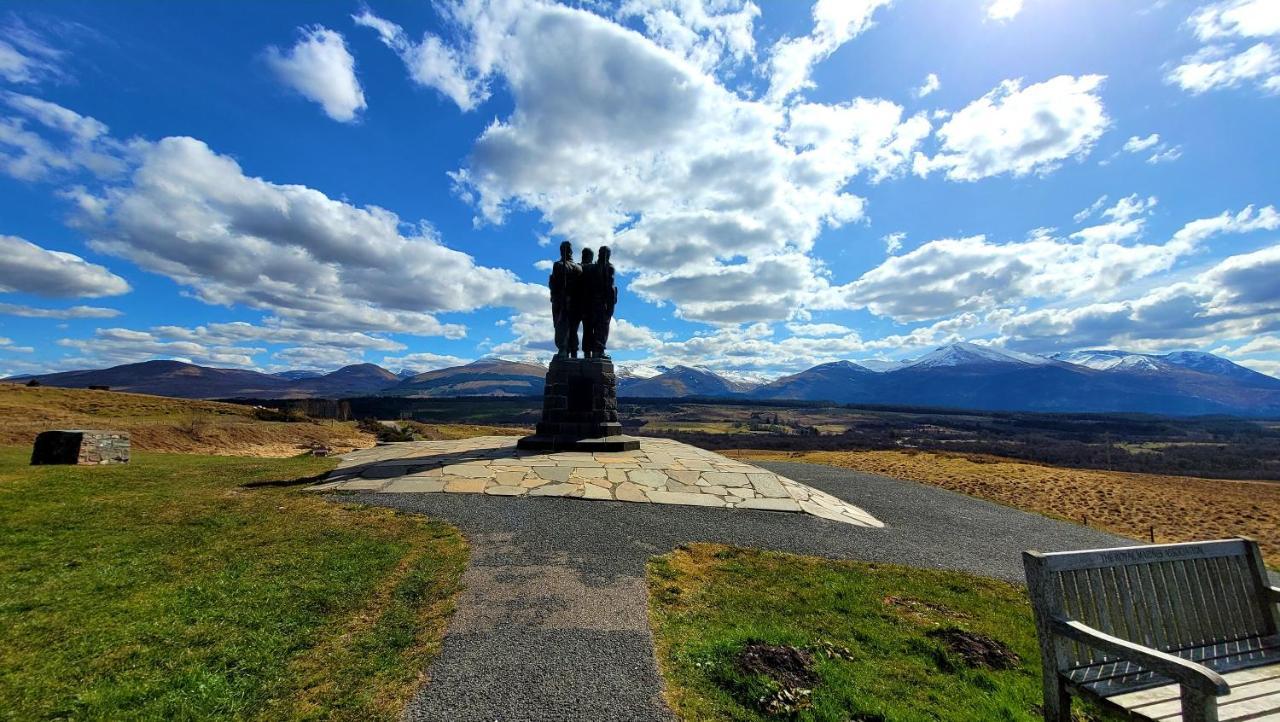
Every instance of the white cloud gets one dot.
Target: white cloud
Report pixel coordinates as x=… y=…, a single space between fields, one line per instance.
x=25 y=57
x=422 y=361
x=1215 y=67
x=1236 y=298
x=1003 y=10
x=835 y=22
x=82 y=142
x=708 y=33
x=14 y=309
x=818 y=330
x=113 y=346
x=1236 y=18
x=847 y=138
x=1122 y=221
x=6 y=346
x=312 y=357
x=754 y=348
x=893 y=242
x=1266 y=366
x=1137 y=145
x=1162 y=152
x=680 y=175
x=28 y=268
x=192 y=215
x=1020 y=130
x=1247 y=220
x=274 y=332
x=1256 y=345
x=1089 y=211
x=1220 y=63
x=320 y=67
x=929 y=86
x=973 y=274
x=431 y=62
x=1166 y=155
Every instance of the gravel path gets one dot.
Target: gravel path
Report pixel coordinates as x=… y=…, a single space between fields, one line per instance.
x=553 y=624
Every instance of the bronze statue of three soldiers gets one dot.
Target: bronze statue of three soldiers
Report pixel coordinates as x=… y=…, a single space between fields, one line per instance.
x=582 y=294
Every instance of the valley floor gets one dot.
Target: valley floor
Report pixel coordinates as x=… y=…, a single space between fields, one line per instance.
x=1176 y=508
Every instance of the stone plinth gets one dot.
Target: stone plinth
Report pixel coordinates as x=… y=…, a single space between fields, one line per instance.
x=81 y=446
x=580 y=409
x=661 y=471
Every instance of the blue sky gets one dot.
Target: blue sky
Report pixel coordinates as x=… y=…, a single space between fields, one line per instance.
x=305 y=185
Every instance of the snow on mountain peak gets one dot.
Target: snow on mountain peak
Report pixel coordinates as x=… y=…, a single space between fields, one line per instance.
x=969 y=354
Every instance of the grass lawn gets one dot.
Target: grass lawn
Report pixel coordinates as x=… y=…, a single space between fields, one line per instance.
x=166 y=589
x=875 y=635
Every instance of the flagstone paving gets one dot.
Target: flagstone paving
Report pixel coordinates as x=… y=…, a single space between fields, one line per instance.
x=661 y=471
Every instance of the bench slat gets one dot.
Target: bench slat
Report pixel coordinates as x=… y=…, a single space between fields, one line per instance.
x=1253 y=692
x=1062 y=561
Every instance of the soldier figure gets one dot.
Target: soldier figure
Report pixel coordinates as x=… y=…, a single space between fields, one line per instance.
x=582 y=303
x=565 y=282
x=604 y=297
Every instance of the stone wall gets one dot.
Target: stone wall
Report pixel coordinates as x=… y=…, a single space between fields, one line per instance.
x=81 y=446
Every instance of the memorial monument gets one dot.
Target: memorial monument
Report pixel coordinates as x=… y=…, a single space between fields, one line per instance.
x=580 y=399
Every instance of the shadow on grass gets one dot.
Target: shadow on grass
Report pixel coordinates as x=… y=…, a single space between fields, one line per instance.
x=300 y=481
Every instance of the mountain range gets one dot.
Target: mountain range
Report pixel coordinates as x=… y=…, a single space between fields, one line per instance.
x=961 y=375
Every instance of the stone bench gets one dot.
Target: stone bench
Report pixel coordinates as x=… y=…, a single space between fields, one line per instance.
x=81 y=446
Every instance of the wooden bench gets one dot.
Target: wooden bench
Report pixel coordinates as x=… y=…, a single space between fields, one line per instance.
x=1185 y=632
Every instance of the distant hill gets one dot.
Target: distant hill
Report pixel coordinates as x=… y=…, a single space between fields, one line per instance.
x=296 y=374
x=486 y=377
x=971 y=376
x=355 y=380
x=678 y=381
x=840 y=381
x=175 y=378
x=961 y=375
x=189 y=381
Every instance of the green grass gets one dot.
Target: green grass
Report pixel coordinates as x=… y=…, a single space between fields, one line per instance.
x=866 y=626
x=165 y=589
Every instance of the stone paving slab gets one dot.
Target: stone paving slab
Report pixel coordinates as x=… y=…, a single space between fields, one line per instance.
x=661 y=471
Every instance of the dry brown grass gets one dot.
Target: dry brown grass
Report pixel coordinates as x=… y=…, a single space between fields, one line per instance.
x=1179 y=508
x=440 y=432
x=158 y=423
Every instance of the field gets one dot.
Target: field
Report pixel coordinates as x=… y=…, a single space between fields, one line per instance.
x=749 y=635
x=1179 y=508
x=1210 y=447
x=183 y=587
x=158 y=423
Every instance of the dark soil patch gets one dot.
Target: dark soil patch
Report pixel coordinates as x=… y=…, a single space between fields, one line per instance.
x=977 y=650
x=786 y=665
x=791 y=671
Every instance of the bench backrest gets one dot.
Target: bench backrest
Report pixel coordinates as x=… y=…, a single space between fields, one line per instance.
x=1165 y=596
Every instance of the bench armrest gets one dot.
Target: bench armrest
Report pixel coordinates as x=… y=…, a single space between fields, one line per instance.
x=1272 y=594
x=1182 y=671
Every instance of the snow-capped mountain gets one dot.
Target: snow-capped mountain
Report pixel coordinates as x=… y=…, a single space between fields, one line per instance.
x=679 y=381
x=1111 y=359
x=880 y=365
x=970 y=354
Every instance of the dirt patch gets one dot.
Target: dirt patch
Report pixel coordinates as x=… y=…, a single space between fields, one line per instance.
x=790 y=668
x=920 y=611
x=977 y=650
